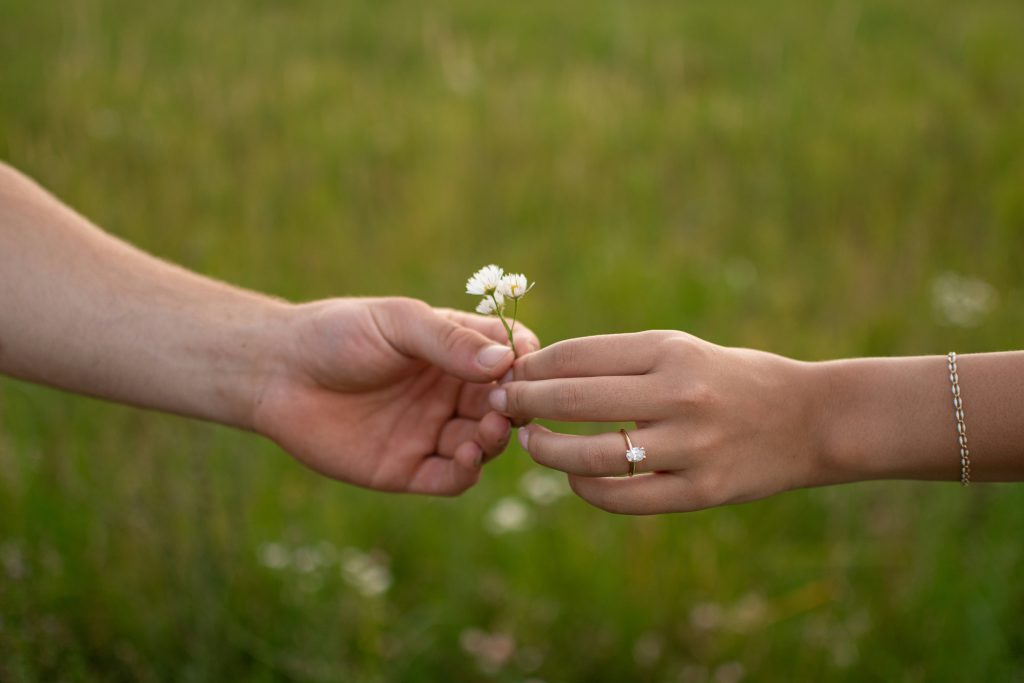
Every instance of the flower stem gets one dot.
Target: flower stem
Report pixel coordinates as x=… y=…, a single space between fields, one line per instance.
x=515 y=314
x=508 y=330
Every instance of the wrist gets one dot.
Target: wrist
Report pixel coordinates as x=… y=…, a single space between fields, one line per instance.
x=885 y=418
x=851 y=419
x=838 y=460
x=251 y=350
x=824 y=456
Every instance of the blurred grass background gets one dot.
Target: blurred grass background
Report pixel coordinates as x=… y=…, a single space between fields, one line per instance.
x=820 y=179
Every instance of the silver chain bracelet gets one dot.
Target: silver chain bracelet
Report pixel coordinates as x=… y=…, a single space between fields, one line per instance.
x=961 y=428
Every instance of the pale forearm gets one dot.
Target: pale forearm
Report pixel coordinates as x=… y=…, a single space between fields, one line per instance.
x=892 y=418
x=83 y=311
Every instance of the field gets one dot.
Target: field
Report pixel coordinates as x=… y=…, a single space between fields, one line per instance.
x=819 y=179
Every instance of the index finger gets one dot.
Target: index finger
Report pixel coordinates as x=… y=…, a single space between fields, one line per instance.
x=607 y=355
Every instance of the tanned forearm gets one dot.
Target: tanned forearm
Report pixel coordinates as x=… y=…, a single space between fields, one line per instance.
x=86 y=312
x=888 y=418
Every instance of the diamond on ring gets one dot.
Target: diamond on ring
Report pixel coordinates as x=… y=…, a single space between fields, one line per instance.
x=636 y=454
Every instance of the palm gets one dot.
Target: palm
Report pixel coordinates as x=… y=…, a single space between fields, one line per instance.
x=351 y=406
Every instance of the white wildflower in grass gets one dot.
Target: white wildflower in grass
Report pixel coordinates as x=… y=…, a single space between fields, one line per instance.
x=275 y=556
x=543 y=487
x=961 y=300
x=730 y=672
x=496 y=287
x=13 y=561
x=491 y=651
x=648 y=648
x=307 y=559
x=368 y=573
x=706 y=616
x=750 y=613
x=485 y=281
x=508 y=515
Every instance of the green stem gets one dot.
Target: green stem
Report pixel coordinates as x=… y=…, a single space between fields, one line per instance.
x=511 y=333
x=508 y=330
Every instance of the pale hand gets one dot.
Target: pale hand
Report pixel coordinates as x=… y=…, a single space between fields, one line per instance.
x=720 y=425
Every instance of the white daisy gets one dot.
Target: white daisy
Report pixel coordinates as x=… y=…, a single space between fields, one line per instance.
x=508 y=515
x=485 y=280
x=487 y=305
x=514 y=286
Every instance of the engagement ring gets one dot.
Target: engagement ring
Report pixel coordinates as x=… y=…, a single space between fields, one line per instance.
x=634 y=454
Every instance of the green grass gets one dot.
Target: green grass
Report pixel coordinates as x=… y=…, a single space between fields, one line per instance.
x=792 y=176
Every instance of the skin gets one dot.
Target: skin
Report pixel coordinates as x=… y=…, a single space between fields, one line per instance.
x=727 y=425
x=385 y=393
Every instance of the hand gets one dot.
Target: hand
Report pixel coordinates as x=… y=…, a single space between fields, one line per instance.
x=720 y=425
x=389 y=394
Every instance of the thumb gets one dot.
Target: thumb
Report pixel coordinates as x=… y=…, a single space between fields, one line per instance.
x=417 y=330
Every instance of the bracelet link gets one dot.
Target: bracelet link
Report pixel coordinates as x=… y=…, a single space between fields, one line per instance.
x=961 y=426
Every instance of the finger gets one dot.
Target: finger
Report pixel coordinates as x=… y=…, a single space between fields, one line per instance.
x=440 y=476
x=490 y=436
x=646 y=494
x=583 y=399
x=493 y=435
x=491 y=327
x=600 y=455
x=469 y=455
x=415 y=329
x=454 y=433
x=613 y=354
x=474 y=400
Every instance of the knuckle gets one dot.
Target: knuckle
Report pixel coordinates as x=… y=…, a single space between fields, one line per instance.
x=403 y=305
x=708 y=490
x=580 y=487
x=388 y=482
x=567 y=399
x=456 y=491
x=657 y=337
x=393 y=314
x=514 y=397
x=564 y=355
x=523 y=368
x=694 y=395
x=679 y=347
x=703 y=393
x=614 y=505
x=450 y=335
x=492 y=448
x=591 y=459
x=531 y=342
x=540 y=449
x=673 y=347
x=703 y=445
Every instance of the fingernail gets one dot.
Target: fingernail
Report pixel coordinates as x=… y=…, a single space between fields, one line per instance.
x=506 y=378
x=524 y=438
x=492 y=355
x=499 y=400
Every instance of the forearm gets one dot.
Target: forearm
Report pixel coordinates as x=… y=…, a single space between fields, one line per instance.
x=83 y=311
x=892 y=418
